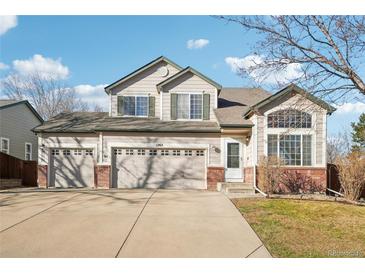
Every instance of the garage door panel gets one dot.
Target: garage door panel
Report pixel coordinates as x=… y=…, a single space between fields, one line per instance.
x=72 y=168
x=161 y=170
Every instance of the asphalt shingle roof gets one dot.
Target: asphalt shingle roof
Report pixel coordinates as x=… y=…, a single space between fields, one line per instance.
x=234 y=102
x=100 y=121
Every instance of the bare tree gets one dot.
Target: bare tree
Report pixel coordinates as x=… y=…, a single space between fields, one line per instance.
x=329 y=50
x=48 y=95
x=338 y=146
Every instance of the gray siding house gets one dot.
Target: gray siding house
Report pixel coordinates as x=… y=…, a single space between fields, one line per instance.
x=17 y=119
x=173 y=127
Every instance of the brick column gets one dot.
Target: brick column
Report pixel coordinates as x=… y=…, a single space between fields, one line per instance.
x=214 y=175
x=102 y=176
x=42 y=176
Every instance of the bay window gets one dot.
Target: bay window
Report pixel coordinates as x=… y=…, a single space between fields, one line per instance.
x=294 y=149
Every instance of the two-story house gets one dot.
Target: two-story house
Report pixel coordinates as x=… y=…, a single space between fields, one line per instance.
x=173 y=127
x=17 y=119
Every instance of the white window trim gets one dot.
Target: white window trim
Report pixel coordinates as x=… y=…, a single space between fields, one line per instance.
x=1 y=144
x=301 y=147
x=135 y=106
x=191 y=93
x=25 y=151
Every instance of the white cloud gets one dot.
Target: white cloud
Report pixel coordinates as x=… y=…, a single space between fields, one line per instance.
x=357 y=107
x=7 y=22
x=93 y=95
x=45 y=67
x=246 y=64
x=3 y=66
x=197 y=44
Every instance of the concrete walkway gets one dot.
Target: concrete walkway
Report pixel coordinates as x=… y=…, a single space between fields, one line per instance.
x=129 y=223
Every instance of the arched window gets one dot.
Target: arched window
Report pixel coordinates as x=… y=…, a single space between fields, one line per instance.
x=289 y=118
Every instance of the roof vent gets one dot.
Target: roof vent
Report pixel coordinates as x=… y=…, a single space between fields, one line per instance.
x=163 y=71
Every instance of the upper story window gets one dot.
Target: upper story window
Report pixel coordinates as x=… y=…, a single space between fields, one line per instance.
x=289 y=118
x=28 y=151
x=5 y=145
x=189 y=106
x=135 y=106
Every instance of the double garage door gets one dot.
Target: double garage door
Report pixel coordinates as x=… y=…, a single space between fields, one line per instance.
x=131 y=168
x=72 y=168
x=158 y=168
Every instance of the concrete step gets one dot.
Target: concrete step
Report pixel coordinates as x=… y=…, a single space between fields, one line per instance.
x=239 y=190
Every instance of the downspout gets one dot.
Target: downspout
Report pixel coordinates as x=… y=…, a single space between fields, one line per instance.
x=254 y=147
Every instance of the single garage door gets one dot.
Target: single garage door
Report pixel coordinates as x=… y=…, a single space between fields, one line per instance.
x=159 y=168
x=72 y=168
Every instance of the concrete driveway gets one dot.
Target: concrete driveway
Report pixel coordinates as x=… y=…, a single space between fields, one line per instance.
x=124 y=223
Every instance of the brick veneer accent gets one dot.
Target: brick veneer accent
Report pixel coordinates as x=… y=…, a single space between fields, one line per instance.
x=42 y=176
x=318 y=175
x=102 y=176
x=248 y=175
x=214 y=175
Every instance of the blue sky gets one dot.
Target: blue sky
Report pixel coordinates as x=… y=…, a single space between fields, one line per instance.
x=91 y=51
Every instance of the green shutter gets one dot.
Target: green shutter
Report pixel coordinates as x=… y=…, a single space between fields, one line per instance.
x=206 y=106
x=173 y=106
x=151 y=106
x=120 y=106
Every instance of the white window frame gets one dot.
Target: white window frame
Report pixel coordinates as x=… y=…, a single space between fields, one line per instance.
x=1 y=144
x=202 y=110
x=30 y=153
x=301 y=147
x=135 y=106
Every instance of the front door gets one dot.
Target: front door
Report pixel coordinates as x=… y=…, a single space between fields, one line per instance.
x=233 y=170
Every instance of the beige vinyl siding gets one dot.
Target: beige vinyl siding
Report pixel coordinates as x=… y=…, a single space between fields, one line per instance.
x=16 y=123
x=65 y=140
x=182 y=140
x=319 y=138
x=318 y=126
x=260 y=136
x=143 y=83
x=188 y=83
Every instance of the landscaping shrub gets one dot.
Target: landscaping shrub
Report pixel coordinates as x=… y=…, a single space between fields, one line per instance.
x=295 y=182
x=268 y=175
x=274 y=178
x=351 y=172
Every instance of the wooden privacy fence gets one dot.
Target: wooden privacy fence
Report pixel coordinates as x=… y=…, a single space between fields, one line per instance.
x=14 y=168
x=333 y=181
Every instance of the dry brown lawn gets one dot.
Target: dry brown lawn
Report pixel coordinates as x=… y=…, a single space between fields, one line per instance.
x=296 y=228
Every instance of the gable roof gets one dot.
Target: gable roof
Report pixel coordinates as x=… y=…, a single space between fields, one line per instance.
x=184 y=71
x=141 y=69
x=285 y=91
x=10 y=103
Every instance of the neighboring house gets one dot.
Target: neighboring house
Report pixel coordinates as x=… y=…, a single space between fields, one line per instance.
x=169 y=126
x=17 y=119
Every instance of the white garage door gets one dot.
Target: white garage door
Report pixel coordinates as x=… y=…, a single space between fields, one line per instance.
x=159 y=168
x=72 y=168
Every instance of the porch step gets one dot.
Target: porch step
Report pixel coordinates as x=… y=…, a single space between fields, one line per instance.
x=244 y=188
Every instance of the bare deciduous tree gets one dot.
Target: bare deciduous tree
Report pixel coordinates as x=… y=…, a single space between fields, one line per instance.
x=48 y=95
x=329 y=50
x=338 y=146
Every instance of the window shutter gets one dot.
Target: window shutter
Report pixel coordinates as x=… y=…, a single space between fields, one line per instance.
x=151 y=106
x=120 y=106
x=206 y=106
x=173 y=106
